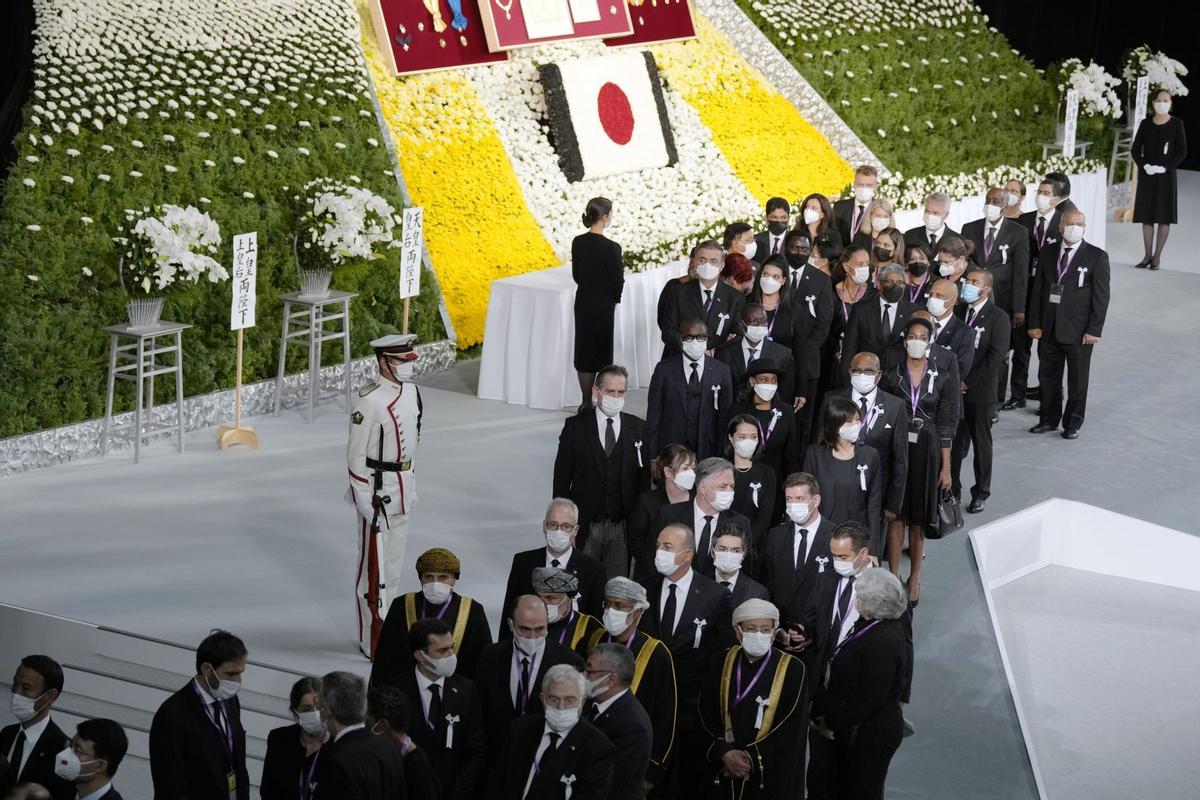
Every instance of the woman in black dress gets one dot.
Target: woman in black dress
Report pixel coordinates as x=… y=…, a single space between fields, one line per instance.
x=816 y=218
x=848 y=474
x=781 y=446
x=674 y=472
x=598 y=272
x=292 y=751
x=917 y=260
x=932 y=400
x=753 y=482
x=1158 y=149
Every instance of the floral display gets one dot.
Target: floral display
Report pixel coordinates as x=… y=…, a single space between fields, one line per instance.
x=169 y=247
x=229 y=105
x=1095 y=86
x=343 y=223
x=910 y=192
x=1163 y=72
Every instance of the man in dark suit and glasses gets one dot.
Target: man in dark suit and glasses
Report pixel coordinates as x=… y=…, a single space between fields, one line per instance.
x=707 y=511
x=691 y=615
x=92 y=757
x=603 y=465
x=988 y=328
x=750 y=345
x=798 y=550
x=31 y=745
x=1070 y=303
x=197 y=743
x=770 y=242
x=933 y=228
x=690 y=397
x=619 y=716
x=550 y=754
x=1053 y=200
x=448 y=718
x=874 y=325
x=560 y=527
x=708 y=299
x=354 y=762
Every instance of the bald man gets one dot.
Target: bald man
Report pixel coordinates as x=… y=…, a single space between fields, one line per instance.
x=1070 y=302
x=948 y=330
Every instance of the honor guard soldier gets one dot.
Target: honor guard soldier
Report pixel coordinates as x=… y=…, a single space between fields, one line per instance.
x=385 y=428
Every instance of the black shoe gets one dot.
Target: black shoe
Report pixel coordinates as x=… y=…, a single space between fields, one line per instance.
x=1033 y=393
x=975 y=506
x=1042 y=427
x=995 y=417
x=1011 y=404
x=1071 y=433
x=1153 y=266
x=1145 y=262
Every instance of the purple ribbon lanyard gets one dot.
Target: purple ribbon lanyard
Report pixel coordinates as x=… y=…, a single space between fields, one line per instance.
x=773 y=315
x=307 y=776
x=913 y=295
x=1062 y=270
x=854 y=636
x=562 y=637
x=914 y=390
x=764 y=436
x=740 y=695
x=227 y=732
x=441 y=612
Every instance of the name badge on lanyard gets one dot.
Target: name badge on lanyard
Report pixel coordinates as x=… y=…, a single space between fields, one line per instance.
x=1056 y=293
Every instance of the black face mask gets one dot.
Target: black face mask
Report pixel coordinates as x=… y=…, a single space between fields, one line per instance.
x=796 y=261
x=777 y=228
x=918 y=268
x=882 y=256
x=891 y=292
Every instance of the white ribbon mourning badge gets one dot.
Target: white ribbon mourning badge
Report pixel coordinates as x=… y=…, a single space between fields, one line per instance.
x=716 y=390
x=932 y=374
x=699 y=623
x=451 y=721
x=1004 y=254
x=812 y=309
x=979 y=331
x=821 y=562
x=723 y=317
x=754 y=487
x=1082 y=271
x=568 y=781
x=862 y=475
x=638 y=446
x=762 y=705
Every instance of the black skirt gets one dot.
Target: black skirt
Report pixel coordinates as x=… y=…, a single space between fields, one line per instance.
x=921 y=487
x=593 y=333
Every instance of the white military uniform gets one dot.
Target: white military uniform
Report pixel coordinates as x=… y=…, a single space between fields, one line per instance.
x=384 y=433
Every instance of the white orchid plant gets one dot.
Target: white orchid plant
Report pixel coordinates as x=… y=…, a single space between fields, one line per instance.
x=1096 y=88
x=167 y=247
x=343 y=224
x=1164 y=72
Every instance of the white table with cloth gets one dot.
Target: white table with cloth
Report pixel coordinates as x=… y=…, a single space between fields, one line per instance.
x=529 y=335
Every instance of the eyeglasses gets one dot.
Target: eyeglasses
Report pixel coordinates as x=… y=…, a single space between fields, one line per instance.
x=700 y=338
x=565 y=527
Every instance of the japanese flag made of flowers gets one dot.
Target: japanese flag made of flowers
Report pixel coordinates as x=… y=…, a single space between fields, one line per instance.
x=607 y=115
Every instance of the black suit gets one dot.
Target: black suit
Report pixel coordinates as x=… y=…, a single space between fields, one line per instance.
x=887 y=432
x=989 y=336
x=955 y=337
x=1082 y=310
x=677 y=415
x=1022 y=345
x=495 y=697
x=683 y=513
x=584 y=755
x=864 y=329
x=459 y=768
x=732 y=355
x=588 y=570
x=284 y=764
x=812 y=298
x=762 y=250
x=686 y=301
x=790 y=584
x=604 y=487
x=1008 y=261
x=843 y=216
x=362 y=766
x=745 y=589
x=188 y=756
x=39 y=767
x=919 y=235
x=626 y=724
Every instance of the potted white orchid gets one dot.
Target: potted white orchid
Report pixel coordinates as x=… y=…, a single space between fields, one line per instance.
x=161 y=249
x=340 y=224
x=1164 y=73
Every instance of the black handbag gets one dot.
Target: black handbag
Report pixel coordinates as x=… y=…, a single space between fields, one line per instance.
x=950 y=517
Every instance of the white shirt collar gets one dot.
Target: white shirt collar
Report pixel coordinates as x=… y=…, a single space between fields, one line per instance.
x=869 y=396
x=96 y=795
x=731 y=580
x=347 y=729
x=938 y=233
x=423 y=683
x=563 y=560
x=603 y=706
x=32 y=734
x=747 y=346
x=602 y=423
x=687 y=367
x=684 y=584
x=980 y=303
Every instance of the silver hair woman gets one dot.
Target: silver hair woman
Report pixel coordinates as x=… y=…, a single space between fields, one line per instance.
x=879 y=595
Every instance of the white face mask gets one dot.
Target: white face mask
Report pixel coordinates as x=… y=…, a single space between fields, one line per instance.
x=864 y=194
x=597 y=687
x=799 y=512
x=844 y=568
x=708 y=272
x=932 y=221
x=22 y=707
x=849 y=432
x=695 y=350
x=766 y=391
x=553 y=614
x=722 y=500
x=436 y=593
x=615 y=622
x=611 y=406
x=1162 y=106
x=442 y=667
x=310 y=722
x=530 y=646
x=561 y=720
x=685 y=479
x=946 y=269
x=992 y=212
x=664 y=562
x=811 y=216
x=68 y=766
x=861 y=274
x=916 y=348
x=1042 y=202
x=879 y=223
x=745 y=447
x=1073 y=234
x=756 y=644
x=751 y=249
x=756 y=333
x=863 y=384
x=769 y=285
x=557 y=542
x=1011 y=198
x=728 y=562
x=224 y=690
x=936 y=306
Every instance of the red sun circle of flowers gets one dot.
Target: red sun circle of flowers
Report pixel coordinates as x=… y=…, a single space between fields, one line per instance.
x=615 y=112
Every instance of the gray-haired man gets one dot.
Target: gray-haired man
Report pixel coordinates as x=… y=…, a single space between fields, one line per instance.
x=933 y=227
x=354 y=762
x=620 y=717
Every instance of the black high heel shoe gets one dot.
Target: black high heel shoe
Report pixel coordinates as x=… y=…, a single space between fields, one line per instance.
x=1154 y=265
x=1145 y=262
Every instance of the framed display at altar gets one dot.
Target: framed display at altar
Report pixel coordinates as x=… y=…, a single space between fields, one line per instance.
x=428 y=35
x=522 y=23
x=657 y=21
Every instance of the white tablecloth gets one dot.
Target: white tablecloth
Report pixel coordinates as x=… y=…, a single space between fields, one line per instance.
x=529 y=336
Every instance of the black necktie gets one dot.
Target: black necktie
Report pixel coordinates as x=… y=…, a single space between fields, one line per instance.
x=988 y=243
x=932 y=242
x=523 y=686
x=668 y=615
x=795 y=279
x=1063 y=262
x=728 y=586
x=775 y=245
x=435 y=705
x=554 y=562
x=801 y=549
x=550 y=748
x=694 y=380
x=610 y=438
x=705 y=536
x=1041 y=230
x=18 y=751
x=843 y=607
x=885 y=323
x=752 y=355
x=593 y=713
x=707 y=300
x=971 y=316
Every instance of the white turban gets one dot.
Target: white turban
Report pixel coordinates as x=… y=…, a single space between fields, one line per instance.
x=756 y=609
x=626 y=589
